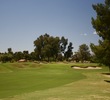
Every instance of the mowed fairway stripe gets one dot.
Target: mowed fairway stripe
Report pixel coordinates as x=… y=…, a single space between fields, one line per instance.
x=27 y=79
x=93 y=87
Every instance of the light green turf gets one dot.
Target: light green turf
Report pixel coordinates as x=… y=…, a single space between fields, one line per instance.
x=24 y=78
x=56 y=81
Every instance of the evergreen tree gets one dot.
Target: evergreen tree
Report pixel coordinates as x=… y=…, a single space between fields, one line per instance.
x=102 y=27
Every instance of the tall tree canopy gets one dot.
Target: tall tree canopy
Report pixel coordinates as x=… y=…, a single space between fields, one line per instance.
x=63 y=44
x=69 y=52
x=47 y=47
x=102 y=26
x=84 y=53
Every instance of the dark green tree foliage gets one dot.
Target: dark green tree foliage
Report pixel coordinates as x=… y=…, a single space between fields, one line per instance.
x=60 y=57
x=54 y=42
x=69 y=52
x=18 y=56
x=10 y=51
x=102 y=21
x=47 y=46
x=10 y=54
x=102 y=27
x=32 y=56
x=84 y=53
x=76 y=57
x=63 y=44
x=26 y=55
x=7 y=57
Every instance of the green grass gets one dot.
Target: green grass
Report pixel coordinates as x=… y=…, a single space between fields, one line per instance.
x=18 y=78
x=31 y=81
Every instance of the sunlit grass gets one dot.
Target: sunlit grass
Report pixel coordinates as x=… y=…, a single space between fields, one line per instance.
x=20 y=78
x=53 y=81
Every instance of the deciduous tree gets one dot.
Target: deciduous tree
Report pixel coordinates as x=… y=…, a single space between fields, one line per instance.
x=69 y=51
x=47 y=46
x=84 y=52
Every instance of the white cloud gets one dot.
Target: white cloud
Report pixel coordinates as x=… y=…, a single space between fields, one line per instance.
x=94 y=32
x=84 y=34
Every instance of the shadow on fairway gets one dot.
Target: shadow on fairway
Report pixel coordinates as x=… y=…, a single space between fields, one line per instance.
x=106 y=73
x=108 y=81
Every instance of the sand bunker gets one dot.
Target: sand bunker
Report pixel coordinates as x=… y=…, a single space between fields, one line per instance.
x=87 y=67
x=107 y=76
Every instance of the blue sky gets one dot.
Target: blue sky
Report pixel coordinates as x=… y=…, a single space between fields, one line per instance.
x=23 y=21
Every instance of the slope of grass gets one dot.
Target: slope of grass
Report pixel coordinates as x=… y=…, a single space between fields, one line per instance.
x=93 y=87
x=24 y=78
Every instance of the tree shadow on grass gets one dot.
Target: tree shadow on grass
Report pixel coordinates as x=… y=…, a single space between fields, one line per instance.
x=108 y=74
x=108 y=81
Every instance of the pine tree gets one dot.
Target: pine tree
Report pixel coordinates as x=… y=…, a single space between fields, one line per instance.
x=102 y=26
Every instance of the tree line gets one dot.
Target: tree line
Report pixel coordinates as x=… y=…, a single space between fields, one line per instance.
x=49 y=48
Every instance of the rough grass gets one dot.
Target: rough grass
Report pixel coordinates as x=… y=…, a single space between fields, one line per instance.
x=69 y=84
